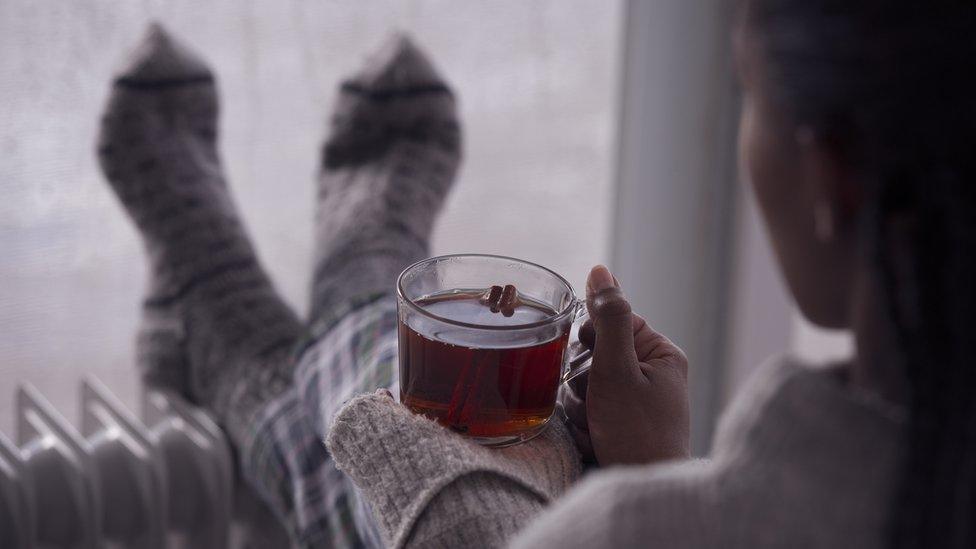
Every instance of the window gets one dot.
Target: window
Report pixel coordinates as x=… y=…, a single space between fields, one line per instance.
x=538 y=90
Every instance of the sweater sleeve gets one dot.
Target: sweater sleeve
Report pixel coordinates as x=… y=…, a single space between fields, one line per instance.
x=654 y=506
x=427 y=486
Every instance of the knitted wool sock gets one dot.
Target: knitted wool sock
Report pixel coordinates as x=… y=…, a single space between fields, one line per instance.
x=390 y=161
x=427 y=486
x=214 y=327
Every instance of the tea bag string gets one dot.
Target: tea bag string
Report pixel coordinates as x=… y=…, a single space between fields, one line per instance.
x=466 y=397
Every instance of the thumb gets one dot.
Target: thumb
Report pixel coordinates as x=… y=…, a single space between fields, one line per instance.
x=614 y=352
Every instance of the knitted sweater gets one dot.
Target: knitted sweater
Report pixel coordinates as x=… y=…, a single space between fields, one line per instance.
x=799 y=460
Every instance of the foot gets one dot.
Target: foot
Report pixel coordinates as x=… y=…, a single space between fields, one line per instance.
x=212 y=319
x=391 y=158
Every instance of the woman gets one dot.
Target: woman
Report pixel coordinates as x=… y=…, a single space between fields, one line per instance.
x=857 y=123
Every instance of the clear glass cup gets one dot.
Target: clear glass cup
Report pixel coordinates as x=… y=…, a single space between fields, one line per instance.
x=491 y=377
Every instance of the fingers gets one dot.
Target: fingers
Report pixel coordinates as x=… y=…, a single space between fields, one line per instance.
x=583 y=443
x=575 y=412
x=614 y=352
x=587 y=334
x=656 y=349
x=578 y=384
x=575 y=409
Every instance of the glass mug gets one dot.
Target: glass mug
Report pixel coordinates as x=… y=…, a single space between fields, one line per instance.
x=490 y=376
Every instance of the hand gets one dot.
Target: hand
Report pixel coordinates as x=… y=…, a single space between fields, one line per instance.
x=636 y=394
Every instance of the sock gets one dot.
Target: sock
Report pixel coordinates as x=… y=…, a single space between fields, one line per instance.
x=214 y=327
x=387 y=167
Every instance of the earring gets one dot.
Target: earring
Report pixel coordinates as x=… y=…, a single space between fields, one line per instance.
x=823 y=222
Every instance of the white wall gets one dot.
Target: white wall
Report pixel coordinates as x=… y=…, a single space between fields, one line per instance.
x=538 y=88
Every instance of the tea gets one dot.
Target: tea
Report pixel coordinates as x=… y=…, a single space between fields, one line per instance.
x=480 y=388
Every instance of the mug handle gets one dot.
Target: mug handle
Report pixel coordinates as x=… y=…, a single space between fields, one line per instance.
x=578 y=358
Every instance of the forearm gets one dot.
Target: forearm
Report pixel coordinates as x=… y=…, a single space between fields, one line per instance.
x=476 y=510
x=428 y=486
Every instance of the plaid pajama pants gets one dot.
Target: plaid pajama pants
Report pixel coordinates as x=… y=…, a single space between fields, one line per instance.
x=285 y=459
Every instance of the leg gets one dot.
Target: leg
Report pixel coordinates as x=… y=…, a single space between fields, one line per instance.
x=214 y=328
x=386 y=168
x=389 y=163
x=222 y=317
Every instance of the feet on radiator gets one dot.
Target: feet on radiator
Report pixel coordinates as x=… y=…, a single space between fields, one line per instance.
x=213 y=328
x=389 y=161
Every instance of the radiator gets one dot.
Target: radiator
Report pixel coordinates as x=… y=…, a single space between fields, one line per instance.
x=163 y=481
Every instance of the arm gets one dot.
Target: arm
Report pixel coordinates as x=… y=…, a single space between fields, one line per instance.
x=428 y=486
x=660 y=506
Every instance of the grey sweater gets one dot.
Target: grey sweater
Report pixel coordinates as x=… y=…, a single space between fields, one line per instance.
x=799 y=460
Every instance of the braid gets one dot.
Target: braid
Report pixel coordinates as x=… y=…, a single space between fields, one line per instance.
x=890 y=84
x=939 y=434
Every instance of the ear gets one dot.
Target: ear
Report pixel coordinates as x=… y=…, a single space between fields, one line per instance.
x=829 y=182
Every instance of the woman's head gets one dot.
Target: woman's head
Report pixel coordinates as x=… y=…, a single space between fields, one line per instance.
x=795 y=181
x=858 y=134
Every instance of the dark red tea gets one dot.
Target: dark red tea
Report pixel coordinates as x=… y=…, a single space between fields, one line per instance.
x=480 y=391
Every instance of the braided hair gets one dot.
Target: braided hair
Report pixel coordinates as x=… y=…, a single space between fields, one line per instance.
x=891 y=86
